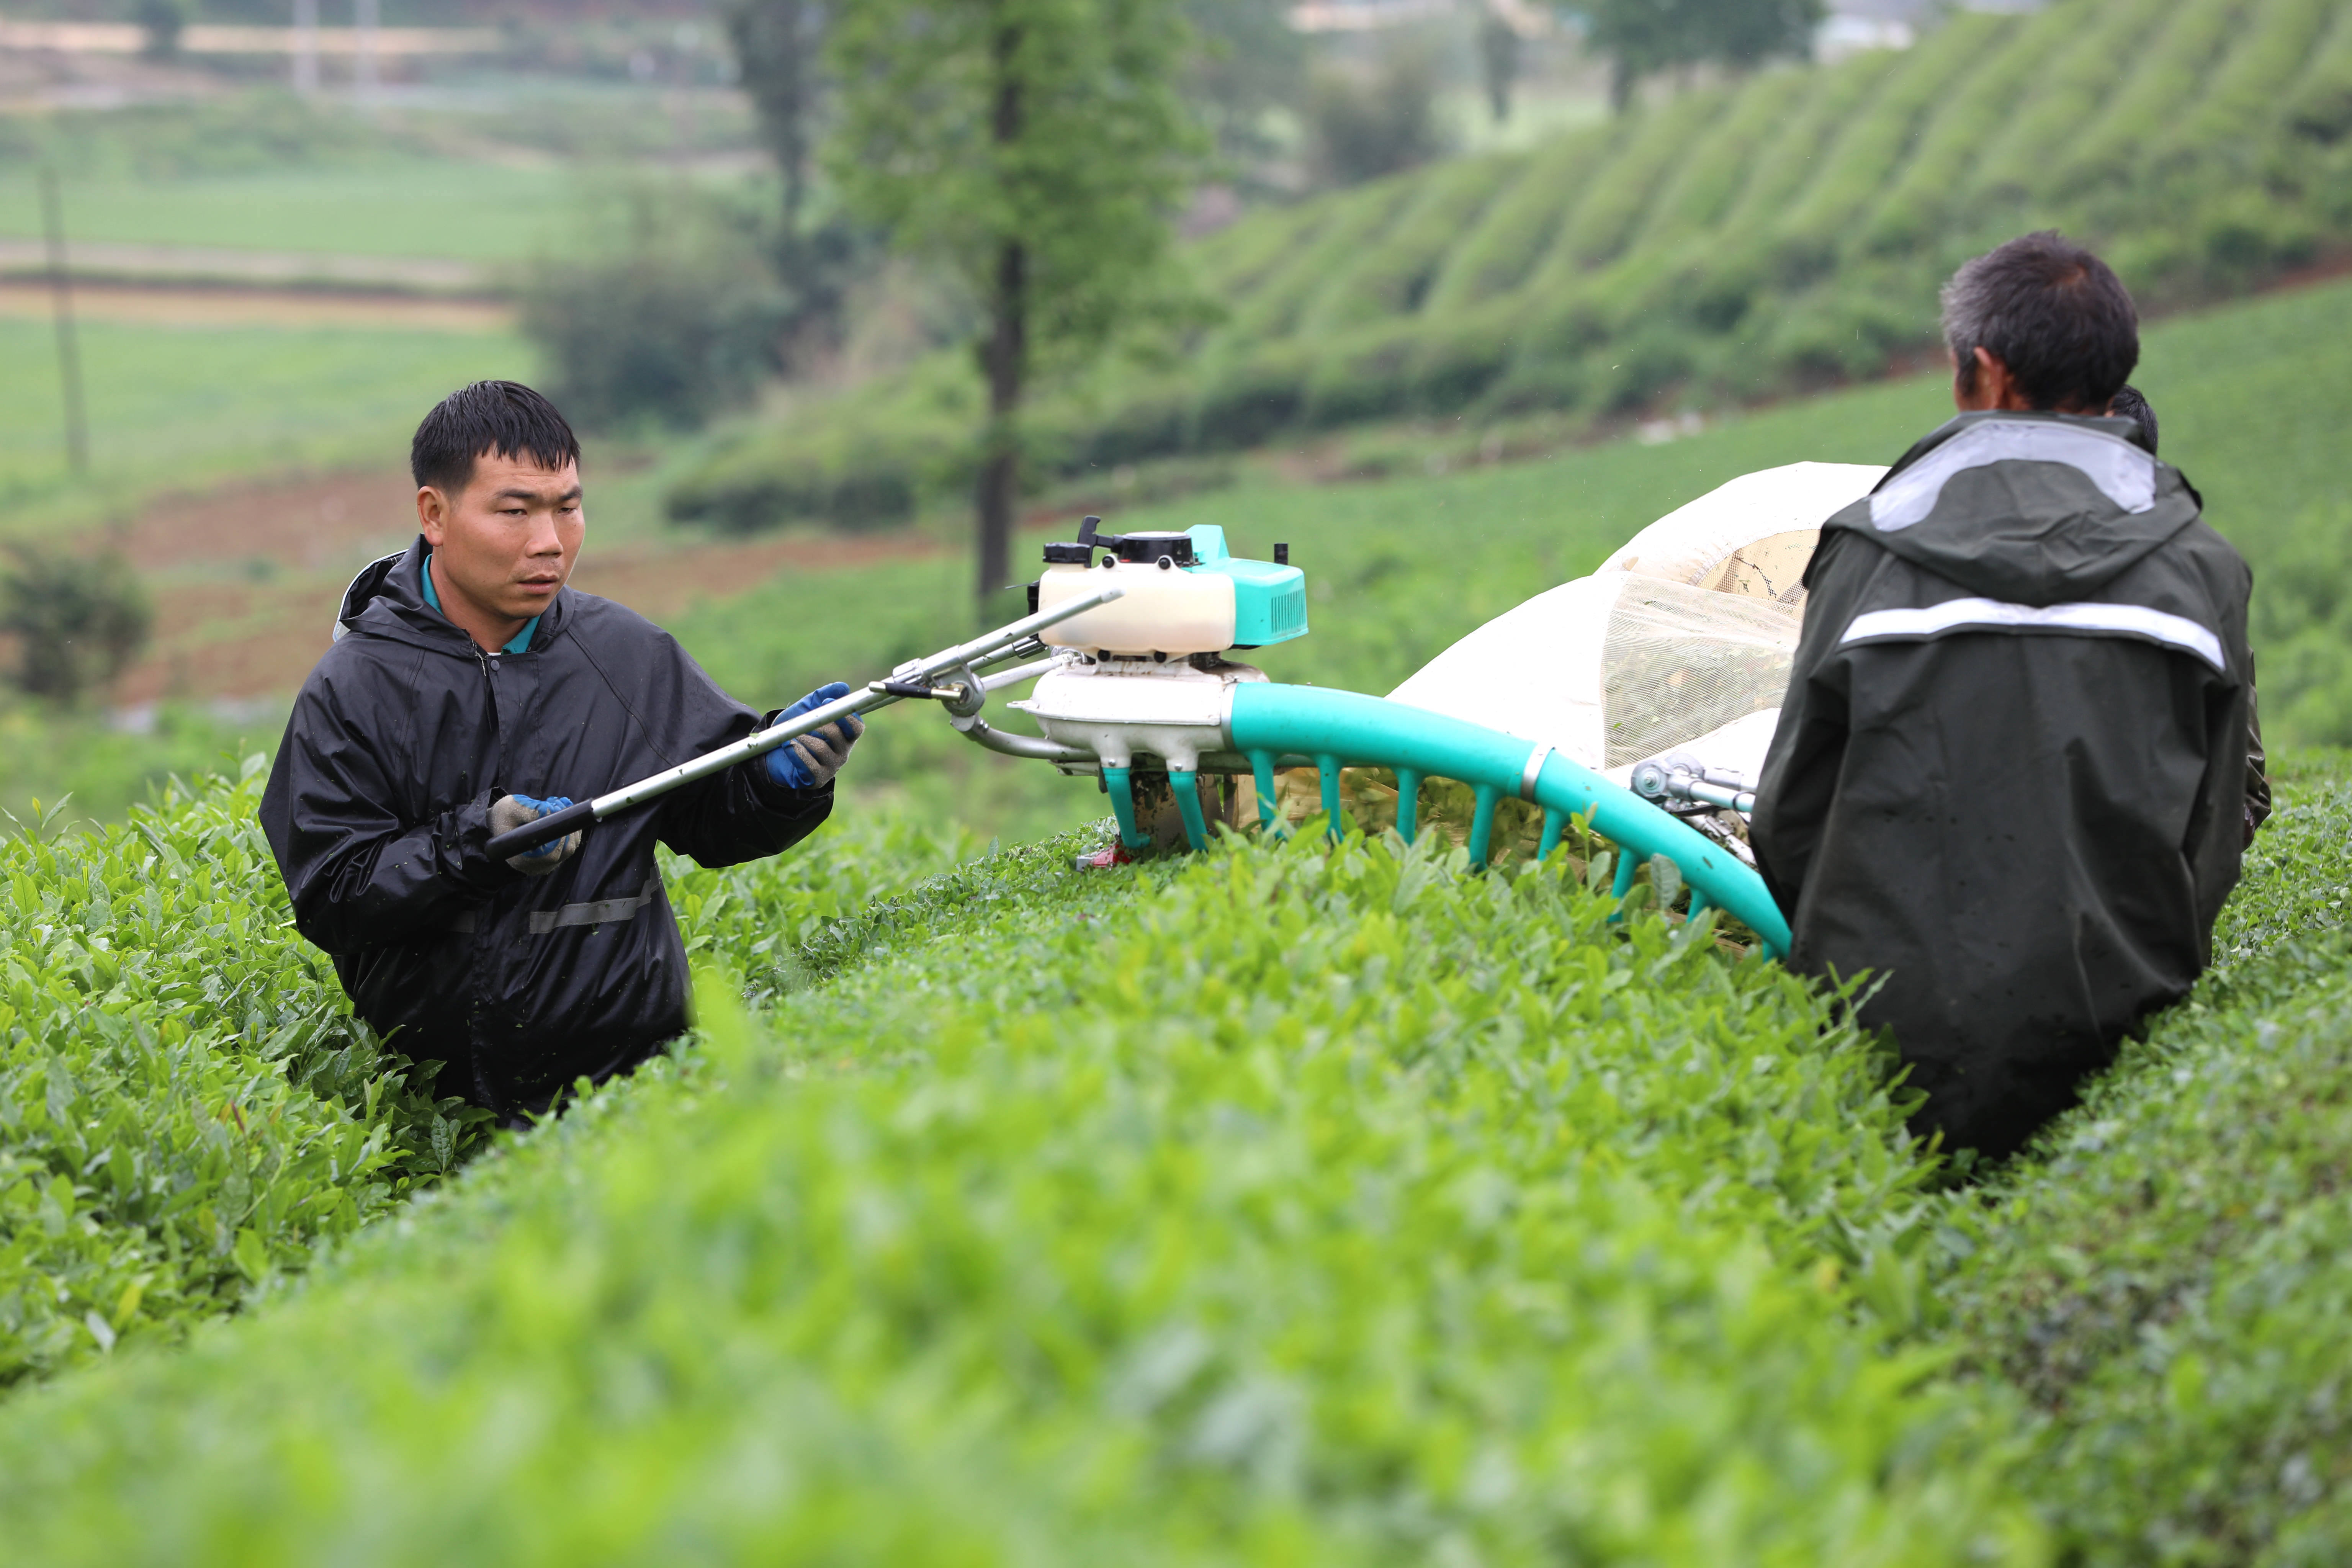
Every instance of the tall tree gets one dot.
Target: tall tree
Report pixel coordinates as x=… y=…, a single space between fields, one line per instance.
x=1642 y=37
x=780 y=52
x=1040 y=150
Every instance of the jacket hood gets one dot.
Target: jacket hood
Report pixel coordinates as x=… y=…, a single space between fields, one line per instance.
x=387 y=600
x=2031 y=508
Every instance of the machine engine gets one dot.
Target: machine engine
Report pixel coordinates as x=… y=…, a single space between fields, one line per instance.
x=1146 y=675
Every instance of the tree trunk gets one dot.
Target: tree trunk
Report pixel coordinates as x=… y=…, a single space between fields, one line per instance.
x=1005 y=356
x=1621 y=85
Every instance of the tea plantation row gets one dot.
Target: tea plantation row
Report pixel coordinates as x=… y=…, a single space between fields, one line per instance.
x=1746 y=241
x=1285 y=1203
x=187 y=1107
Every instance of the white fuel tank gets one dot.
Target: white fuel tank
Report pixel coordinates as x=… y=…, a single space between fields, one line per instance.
x=1165 y=609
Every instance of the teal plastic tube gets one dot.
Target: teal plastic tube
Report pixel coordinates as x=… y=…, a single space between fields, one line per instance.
x=1347 y=727
x=1185 y=785
x=1120 y=783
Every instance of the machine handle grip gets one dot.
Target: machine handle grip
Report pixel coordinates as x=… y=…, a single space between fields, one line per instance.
x=545 y=830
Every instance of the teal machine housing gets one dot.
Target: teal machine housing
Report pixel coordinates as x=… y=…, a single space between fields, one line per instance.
x=1269 y=596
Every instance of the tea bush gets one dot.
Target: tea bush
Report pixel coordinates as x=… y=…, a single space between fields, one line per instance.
x=1282 y=1204
x=2164 y=1278
x=187 y=1105
x=1739 y=242
x=185 y=1102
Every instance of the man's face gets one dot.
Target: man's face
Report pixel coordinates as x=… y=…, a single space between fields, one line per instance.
x=507 y=541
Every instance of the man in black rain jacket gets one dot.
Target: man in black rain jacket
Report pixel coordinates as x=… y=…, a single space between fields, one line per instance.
x=412 y=735
x=2010 y=776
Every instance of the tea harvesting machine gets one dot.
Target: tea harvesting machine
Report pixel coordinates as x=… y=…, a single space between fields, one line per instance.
x=1127 y=640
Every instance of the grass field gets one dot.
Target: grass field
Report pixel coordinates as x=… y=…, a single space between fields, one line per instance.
x=467 y=211
x=189 y=407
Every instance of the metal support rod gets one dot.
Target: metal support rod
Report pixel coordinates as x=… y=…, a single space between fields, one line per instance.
x=922 y=671
x=977 y=730
x=53 y=224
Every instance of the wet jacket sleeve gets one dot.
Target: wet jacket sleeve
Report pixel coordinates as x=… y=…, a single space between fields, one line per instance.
x=1800 y=770
x=359 y=874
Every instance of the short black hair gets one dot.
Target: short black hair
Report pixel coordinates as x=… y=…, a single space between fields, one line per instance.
x=2057 y=315
x=494 y=418
x=2129 y=405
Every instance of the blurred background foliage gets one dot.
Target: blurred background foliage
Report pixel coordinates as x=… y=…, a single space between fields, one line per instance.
x=1427 y=242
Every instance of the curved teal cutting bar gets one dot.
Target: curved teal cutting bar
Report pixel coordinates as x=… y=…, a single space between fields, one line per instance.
x=1347 y=729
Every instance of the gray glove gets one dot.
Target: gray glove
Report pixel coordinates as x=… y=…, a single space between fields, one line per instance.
x=510 y=811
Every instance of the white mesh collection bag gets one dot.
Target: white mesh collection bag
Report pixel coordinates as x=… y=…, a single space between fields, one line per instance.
x=1689 y=628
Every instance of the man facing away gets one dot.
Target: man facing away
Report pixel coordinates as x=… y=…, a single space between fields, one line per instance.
x=2010 y=777
x=466 y=686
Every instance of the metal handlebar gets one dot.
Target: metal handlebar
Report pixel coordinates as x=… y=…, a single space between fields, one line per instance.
x=1006 y=641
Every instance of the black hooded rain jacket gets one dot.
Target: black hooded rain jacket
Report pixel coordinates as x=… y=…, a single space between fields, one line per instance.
x=378 y=810
x=2011 y=778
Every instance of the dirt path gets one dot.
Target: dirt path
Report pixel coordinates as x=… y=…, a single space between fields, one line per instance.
x=246 y=580
x=25 y=255
x=163 y=306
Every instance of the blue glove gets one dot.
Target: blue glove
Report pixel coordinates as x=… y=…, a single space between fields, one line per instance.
x=510 y=811
x=816 y=757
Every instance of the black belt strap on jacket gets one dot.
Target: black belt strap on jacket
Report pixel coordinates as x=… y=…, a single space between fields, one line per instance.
x=604 y=912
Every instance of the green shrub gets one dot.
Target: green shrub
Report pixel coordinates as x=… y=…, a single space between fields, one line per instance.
x=1367 y=375
x=185 y=1102
x=2165 y=1280
x=1911 y=213
x=188 y=1108
x=866 y=459
x=1270 y=313
x=2066 y=93
x=94 y=767
x=1497 y=255
x=1619 y=196
x=663 y=311
x=1317 y=1206
x=2171 y=76
x=1704 y=185
x=1255 y=399
x=78 y=620
x=1235 y=259
x=1391 y=279
x=2271 y=55
x=1358 y=131
x=1854 y=166
x=1761 y=235
x=2320 y=106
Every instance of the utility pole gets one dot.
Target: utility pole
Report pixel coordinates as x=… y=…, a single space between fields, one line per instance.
x=306 y=48
x=53 y=222
x=364 y=75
